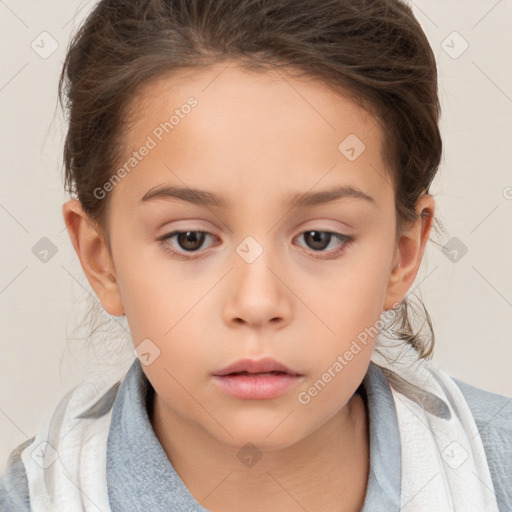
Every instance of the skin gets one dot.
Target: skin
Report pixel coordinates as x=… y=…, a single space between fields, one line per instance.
x=255 y=138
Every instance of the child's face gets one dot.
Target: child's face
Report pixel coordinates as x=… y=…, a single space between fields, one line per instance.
x=255 y=287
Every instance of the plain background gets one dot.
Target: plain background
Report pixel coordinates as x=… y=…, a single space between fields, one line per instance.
x=43 y=304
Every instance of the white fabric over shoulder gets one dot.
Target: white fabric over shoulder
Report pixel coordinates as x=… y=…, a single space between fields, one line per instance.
x=443 y=461
x=66 y=462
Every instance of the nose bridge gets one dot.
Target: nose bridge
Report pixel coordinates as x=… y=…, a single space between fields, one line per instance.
x=257 y=294
x=253 y=262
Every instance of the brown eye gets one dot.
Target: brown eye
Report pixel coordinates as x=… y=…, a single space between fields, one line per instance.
x=186 y=241
x=318 y=241
x=190 y=240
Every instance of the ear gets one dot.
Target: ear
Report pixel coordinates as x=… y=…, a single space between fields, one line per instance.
x=409 y=252
x=94 y=256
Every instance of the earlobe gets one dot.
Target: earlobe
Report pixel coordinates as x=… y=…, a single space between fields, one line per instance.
x=409 y=252
x=94 y=256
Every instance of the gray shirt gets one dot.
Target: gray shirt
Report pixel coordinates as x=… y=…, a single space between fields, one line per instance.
x=140 y=477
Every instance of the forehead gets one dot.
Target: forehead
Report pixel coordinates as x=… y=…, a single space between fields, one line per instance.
x=250 y=131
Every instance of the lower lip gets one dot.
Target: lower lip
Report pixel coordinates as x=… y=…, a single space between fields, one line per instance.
x=257 y=387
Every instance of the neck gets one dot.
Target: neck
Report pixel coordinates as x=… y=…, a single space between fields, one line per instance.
x=330 y=466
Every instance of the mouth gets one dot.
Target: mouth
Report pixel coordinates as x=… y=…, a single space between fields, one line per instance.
x=267 y=365
x=264 y=379
x=254 y=374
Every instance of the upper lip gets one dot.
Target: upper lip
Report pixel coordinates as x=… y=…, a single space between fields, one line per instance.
x=265 y=365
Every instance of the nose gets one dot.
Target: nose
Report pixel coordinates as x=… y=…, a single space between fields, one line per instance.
x=258 y=294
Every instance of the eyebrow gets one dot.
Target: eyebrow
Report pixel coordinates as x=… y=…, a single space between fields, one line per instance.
x=298 y=200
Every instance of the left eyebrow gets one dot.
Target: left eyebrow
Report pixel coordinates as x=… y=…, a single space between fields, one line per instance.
x=297 y=200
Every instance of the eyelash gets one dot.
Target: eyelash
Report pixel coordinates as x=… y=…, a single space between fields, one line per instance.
x=331 y=254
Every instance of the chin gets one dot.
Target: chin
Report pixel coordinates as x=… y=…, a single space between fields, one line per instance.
x=265 y=436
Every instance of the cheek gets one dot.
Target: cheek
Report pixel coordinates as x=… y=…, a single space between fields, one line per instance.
x=154 y=293
x=335 y=375
x=166 y=315
x=351 y=299
x=350 y=308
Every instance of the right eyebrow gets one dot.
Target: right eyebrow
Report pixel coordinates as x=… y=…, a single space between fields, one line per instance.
x=192 y=195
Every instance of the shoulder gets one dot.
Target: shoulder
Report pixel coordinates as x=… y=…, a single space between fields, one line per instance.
x=14 y=488
x=493 y=417
x=14 y=495
x=492 y=411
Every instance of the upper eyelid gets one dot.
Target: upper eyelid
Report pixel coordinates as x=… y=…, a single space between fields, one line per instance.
x=173 y=232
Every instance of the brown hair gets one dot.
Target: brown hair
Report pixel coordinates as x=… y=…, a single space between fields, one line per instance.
x=373 y=51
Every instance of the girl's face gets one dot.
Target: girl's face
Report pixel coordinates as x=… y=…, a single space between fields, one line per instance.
x=258 y=275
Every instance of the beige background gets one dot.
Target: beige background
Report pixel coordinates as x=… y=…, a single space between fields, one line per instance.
x=42 y=354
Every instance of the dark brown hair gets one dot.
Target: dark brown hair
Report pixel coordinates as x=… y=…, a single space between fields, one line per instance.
x=373 y=51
